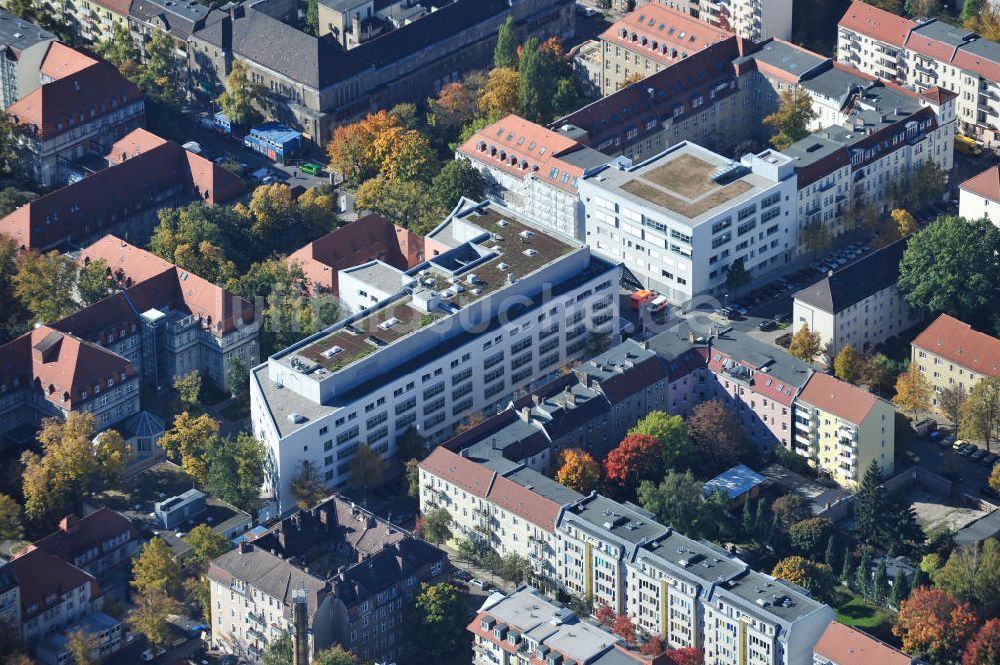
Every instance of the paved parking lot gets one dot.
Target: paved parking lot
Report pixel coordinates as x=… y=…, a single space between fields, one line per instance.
x=935 y=512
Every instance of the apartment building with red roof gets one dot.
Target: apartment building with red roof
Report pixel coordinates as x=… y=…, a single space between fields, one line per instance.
x=924 y=54
x=979 y=196
x=842 y=429
x=534 y=171
x=845 y=645
x=80 y=114
x=949 y=353
x=651 y=38
x=370 y=238
x=49 y=373
x=146 y=172
x=98 y=543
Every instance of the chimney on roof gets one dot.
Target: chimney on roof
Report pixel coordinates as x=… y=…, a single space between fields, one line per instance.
x=525 y=413
x=829 y=273
x=68 y=524
x=493 y=443
x=245 y=547
x=644 y=344
x=691 y=336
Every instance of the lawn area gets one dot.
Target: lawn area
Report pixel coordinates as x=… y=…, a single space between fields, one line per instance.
x=861 y=614
x=238 y=410
x=687 y=175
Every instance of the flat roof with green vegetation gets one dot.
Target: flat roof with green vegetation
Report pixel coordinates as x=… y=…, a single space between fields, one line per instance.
x=512 y=248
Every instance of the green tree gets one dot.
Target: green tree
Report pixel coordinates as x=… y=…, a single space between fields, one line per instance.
x=847 y=567
x=678 y=500
x=188 y=387
x=737 y=276
x=671 y=432
x=413 y=478
x=367 y=468
x=206 y=545
x=93 y=284
x=119 y=48
x=505 y=53
x=155 y=570
x=829 y=556
x=83 y=647
x=929 y=182
x=238 y=377
x=808 y=534
x=12 y=198
x=598 y=341
x=951 y=400
x=718 y=436
x=456 y=179
x=437 y=526
x=308 y=486
x=869 y=504
x=515 y=568
x=536 y=84
x=566 y=98
x=411 y=445
x=900 y=588
x=241 y=96
x=404 y=202
x=791 y=120
x=790 y=509
x=236 y=470
x=880 y=583
x=971 y=10
x=862 y=577
x=814 y=577
x=336 y=655
x=848 y=364
x=981 y=411
x=149 y=617
x=805 y=344
x=192 y=440
x=44 y=285
x=950 y=267
x=10 y=519
x=279 y=651
x=972 y=574
x=436 y=625
x=312 y=17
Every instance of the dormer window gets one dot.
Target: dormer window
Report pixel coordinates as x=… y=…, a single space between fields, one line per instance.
x=83 y=394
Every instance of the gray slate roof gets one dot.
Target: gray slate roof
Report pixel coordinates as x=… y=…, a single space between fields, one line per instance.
x=855 y=282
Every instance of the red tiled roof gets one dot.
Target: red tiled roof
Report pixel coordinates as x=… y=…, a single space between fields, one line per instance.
x=60 y=365
x=878 y=23
x=844 y=645
x=60 y=106
x=156 y=282
x=459 y=471
x=77 y=536
x=61 y=60
x=662 y=34
x=838 y=397
x=42 y=576
x=120 y=7
x=486 y=484
x=957 y=342
x=133 y=144
x=80 y=210
x=763 y=384
x=368 y=238
x=986 y=184
x=524 y=149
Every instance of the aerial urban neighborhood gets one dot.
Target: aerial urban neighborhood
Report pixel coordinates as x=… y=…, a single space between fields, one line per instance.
x=500 y=332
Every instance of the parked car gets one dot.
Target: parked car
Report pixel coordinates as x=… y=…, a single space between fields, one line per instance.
x=977 y=454
x=463 y=575
x=989 y=459
x=960 y=443
x=150 y=654
x=480 y=584
x=966 y=449
x=924 y=426
x=767 y=324
x=912 y=456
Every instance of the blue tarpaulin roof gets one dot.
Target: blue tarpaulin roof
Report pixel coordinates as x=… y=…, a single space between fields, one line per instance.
x=735 y=482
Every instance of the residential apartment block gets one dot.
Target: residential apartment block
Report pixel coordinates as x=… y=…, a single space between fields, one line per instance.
x=680 y=235
x=649 y=39
x=82 y=113
x=950 y=353
x=370 y=238
x=93 y=20
x=842 y=429
x=24 y=47
x=359 y=573
x=512 y=511
x=48 y=373
x=523 y=626
x=498 y=306
x=858 y=305
x=326 y=84
x=99 y=543
x=534 y=171
x=927 y=54
x=147 y=172
x=751 y=19
x=979 y=196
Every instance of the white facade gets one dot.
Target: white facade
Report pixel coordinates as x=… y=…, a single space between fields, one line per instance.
x=682 y=255
x=977 y=206
x=370 y=283
x=458 y=358
x=757 y=20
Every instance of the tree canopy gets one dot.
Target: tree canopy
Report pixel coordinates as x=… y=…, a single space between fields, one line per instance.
x=791 y=120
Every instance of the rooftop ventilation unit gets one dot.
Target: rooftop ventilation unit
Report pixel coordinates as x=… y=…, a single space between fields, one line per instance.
x=331 y=352
x=503 y=266
x=388 y=323
x=530 y=252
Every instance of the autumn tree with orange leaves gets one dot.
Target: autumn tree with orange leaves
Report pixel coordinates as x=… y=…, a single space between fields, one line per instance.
x=624 y=628
x=638 y=457
x=604 y=614
x=934 y=626
x=378 y=145
x=579 y=470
